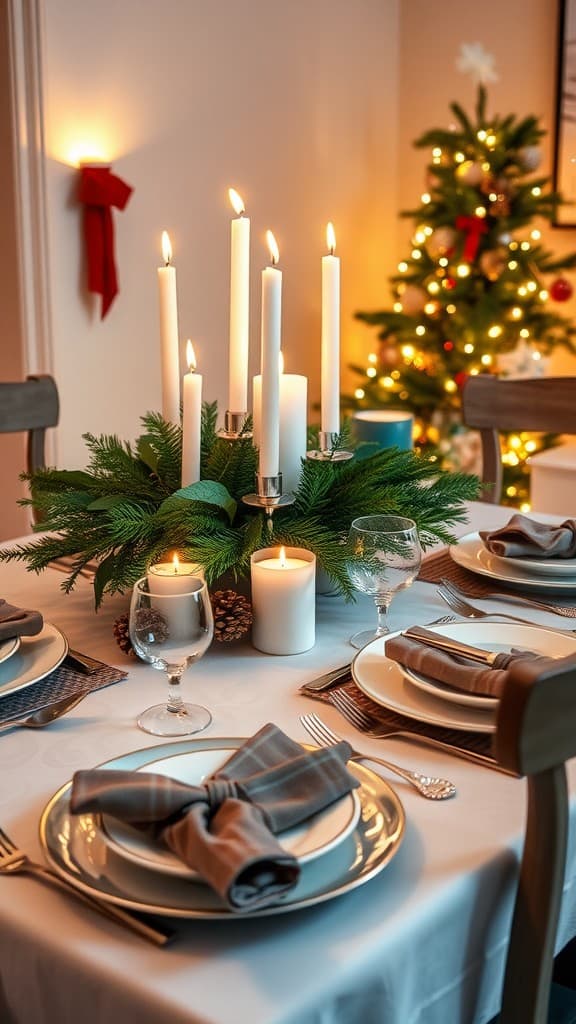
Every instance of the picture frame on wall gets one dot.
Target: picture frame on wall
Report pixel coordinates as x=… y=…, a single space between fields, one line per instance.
x=565 y=133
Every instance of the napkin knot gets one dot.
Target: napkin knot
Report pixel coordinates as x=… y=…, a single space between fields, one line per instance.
x=217 y=791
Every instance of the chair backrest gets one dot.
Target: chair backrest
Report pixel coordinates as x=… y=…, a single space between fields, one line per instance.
x=535 y=735
x=492 y=405
x=32 y=406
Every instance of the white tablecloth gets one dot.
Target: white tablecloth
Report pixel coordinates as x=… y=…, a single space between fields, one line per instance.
x=423 y=943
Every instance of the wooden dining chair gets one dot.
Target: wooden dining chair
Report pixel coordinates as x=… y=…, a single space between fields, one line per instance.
x=30 y=406
x=493 y=405
x=535 y=736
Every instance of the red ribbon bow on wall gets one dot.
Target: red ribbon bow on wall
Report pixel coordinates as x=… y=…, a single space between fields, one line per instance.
x=474 y=228
x=100 y=190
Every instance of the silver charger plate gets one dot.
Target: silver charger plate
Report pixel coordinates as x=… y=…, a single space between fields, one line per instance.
x=75 y=850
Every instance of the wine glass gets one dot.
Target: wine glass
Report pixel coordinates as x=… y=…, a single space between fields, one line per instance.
x=388 y=559
x=170 y=631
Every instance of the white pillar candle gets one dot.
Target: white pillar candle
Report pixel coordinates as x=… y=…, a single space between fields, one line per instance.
x=169 y=335
x=283 y=600
x=167 y=580
x=191 y=420
x=293 y=424
x=330 y=361
x=270 y=354
x=239 y=307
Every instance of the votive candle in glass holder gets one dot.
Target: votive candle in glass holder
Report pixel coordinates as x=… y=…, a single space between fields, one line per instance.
x=283 y=600
x=168 y=579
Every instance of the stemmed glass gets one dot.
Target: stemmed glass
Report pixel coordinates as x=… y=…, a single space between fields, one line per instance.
x=388 y=559
x=171 y=631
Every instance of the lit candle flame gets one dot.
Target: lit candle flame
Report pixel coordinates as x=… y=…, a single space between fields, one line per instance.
x=330 y=237
x=281 y=362
x=176 y=564
x=166 y=248
x=237 y=201
x=282 y=557
x=273 y=247
x=190 y=356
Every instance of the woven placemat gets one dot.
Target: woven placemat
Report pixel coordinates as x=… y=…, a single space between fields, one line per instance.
x=441 y=566
x=380 y=717
x=64 y=681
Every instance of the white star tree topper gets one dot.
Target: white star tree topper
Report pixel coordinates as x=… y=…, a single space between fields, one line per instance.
x=476 y=61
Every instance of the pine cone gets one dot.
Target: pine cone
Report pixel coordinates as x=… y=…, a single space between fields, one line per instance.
x=122 y=635
x=152 y=624
x=232 y=615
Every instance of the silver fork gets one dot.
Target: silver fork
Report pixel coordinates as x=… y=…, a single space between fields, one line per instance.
x=458 y=604
x=15 y=862
x=365 y=723
x=568 y=611
x=427 y=785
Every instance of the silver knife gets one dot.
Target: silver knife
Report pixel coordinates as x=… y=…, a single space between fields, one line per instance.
x=327 y=680
x=445 y=643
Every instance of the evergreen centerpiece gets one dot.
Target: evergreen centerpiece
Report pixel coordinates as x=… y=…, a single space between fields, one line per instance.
x=473 y=295
x=127 y=509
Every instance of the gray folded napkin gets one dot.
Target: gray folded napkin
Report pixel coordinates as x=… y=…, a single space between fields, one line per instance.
x=456 y=671
x=525 y=538
x=226 y=828
x=18 y=621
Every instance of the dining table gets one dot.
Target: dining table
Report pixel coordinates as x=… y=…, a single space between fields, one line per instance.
x=423 y=941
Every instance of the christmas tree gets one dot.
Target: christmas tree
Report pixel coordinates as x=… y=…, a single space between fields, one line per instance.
x=476 y=292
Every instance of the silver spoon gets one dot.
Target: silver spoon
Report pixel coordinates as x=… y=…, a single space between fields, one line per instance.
x=38 y=719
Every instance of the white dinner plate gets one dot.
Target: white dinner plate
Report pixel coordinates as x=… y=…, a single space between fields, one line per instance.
x=382 y=679
x=555 y=568
x=313 y=837
x=470 y=553
x=73 y=848
x=443 y=691
x=36 y=657
x=8 y=648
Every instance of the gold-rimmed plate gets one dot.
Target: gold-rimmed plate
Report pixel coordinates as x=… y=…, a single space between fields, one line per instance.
x=74 y=848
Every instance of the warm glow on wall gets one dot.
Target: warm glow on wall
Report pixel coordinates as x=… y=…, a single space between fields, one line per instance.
x=85 y=153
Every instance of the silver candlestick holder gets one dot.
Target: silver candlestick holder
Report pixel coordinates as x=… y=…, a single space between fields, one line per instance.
x=326 y=451
x=268 y=495
x=233 y=429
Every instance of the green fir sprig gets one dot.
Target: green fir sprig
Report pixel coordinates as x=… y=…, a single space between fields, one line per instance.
x=127 y=510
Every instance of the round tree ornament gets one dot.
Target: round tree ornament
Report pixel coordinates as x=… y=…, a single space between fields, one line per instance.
x=561 y=290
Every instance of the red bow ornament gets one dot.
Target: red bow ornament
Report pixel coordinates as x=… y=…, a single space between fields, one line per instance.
x=100 y=190
x=474 y=227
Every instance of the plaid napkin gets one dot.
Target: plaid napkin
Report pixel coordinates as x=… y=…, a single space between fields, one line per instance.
x=18 y=621
x=525 y=538
x=226 y=828
x=456 y=671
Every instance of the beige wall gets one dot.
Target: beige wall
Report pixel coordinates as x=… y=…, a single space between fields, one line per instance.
x=295 y=105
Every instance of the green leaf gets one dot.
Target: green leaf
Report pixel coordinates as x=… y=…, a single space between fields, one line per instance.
x=104 y=574
x=147 y=453
x=209 y=492
x=107 y=502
